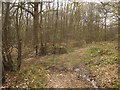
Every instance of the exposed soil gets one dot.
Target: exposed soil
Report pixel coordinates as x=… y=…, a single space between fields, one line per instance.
x=61 y=76
x=66 y=80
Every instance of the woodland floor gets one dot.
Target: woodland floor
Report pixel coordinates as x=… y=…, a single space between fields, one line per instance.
x=91 y=66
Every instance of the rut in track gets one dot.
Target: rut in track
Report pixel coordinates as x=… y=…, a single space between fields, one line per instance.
x=78 y=76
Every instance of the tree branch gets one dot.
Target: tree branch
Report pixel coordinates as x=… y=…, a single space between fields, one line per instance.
x=27 y=10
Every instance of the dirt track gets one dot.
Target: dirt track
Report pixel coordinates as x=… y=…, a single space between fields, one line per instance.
x=78 y=76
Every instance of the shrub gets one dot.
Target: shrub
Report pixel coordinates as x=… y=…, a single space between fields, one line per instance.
x=60 y=50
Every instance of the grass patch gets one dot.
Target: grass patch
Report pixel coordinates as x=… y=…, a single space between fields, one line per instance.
x=97 y=51
x=99 y=57
x=34 y=76
x=116 y=84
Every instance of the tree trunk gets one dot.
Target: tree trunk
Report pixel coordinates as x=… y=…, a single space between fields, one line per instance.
x=35 y=26
x=105 y=27
x=8 y=63
x=55 y=30
x=19 y=40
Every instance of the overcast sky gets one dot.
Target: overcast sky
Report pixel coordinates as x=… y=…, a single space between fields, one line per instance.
x=65 y=0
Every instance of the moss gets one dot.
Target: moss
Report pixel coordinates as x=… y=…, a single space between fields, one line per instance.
x=116 y=84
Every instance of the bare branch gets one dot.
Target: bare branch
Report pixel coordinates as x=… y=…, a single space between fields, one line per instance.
x=26 y=10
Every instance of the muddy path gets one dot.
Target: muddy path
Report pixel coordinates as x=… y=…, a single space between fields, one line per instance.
x=66 y=78
x=66 y=70
x=62 y=76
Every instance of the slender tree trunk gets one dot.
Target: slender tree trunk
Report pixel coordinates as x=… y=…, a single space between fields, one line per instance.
x=19 y=40
x=105 y=27
x=42 y=48
x=35 y=26
x=26 y=30
x=55 y=29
